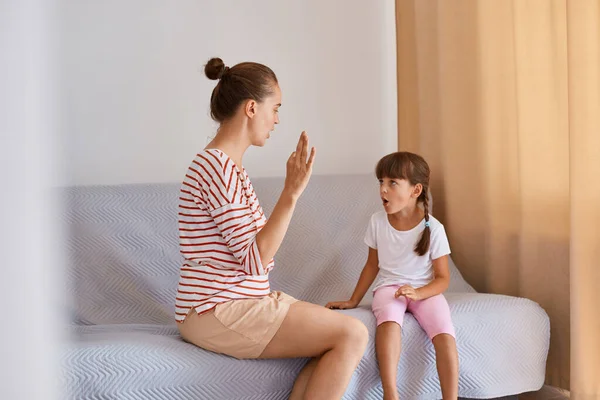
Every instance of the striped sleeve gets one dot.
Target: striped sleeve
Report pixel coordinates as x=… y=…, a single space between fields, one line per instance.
x=232 y=214
x=239 y=230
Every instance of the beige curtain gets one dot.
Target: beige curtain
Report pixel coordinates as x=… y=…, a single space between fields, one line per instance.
x=503 y=100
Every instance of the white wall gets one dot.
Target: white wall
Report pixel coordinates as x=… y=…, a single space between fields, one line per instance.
x=135 y=99
x=31 y=273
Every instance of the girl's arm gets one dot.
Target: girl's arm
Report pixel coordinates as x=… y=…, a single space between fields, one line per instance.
x=438 y=285
x=367 y=276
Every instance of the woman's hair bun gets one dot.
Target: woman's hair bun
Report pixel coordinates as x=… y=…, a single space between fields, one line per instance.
x=215 y=68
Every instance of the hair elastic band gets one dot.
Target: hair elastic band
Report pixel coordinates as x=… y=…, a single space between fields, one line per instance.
x=426 y=224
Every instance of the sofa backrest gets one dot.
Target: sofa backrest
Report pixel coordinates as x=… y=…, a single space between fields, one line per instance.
x=124 y=255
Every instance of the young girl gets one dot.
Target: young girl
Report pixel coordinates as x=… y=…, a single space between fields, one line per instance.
x=408 y=254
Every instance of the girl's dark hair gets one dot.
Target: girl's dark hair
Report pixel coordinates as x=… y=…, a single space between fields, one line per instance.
x=413 y=168
x=244 y=81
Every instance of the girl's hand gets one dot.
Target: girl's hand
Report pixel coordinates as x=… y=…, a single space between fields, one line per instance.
x=409 y=292
x=299 y=169
x=341 y=305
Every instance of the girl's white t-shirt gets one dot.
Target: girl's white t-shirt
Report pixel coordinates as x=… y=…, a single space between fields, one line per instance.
x=399 y=264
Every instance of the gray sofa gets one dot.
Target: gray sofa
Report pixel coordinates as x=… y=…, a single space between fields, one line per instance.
x=124 y=262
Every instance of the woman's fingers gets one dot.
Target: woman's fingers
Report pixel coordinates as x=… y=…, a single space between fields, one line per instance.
x=299 y=145
x=311 y=159
x=304 y=152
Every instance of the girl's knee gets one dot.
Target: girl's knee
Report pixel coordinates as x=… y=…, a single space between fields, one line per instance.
x=443 y=338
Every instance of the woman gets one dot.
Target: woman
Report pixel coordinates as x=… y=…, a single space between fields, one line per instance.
x=224 y=303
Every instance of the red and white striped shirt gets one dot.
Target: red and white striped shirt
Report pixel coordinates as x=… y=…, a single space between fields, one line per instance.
x=219 y=218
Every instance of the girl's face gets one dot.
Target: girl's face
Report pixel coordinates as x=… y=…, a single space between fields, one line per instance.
x=398 y=194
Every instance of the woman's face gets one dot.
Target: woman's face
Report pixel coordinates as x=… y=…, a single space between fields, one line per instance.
x=265 y=118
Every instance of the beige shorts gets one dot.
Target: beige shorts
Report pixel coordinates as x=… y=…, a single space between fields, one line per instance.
x=238 y=328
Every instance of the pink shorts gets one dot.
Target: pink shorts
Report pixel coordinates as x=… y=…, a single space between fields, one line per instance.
x=433 y=314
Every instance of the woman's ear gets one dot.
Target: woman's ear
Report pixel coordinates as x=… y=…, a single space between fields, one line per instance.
x=250 y=108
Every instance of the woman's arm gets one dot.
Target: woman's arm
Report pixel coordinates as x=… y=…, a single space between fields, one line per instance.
x=298 y=174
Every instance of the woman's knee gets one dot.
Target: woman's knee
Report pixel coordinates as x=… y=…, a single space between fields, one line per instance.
x=355 y=333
